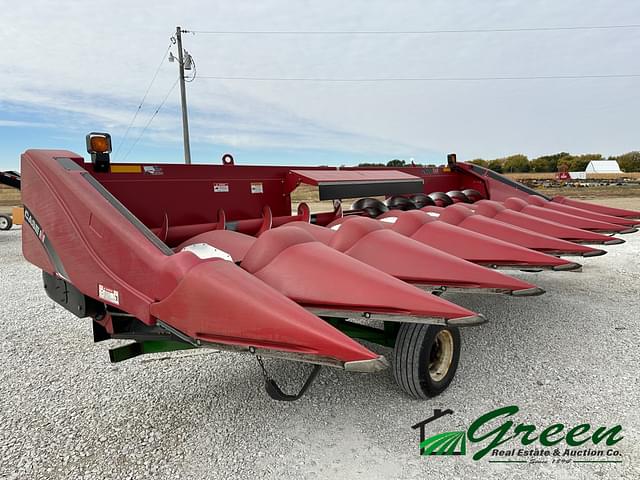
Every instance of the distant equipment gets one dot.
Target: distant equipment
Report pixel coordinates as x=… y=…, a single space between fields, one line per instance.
x=563 y=173
x=578 y=175
x=11 y=179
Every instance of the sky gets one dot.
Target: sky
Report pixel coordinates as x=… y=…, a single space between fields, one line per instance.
x=71 y=67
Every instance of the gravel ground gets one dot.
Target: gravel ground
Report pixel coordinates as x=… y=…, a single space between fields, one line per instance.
x=570 y=355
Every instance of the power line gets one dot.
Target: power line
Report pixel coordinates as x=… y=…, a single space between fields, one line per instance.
x=413 y=32
x=151 y=119
x=144 y=97
x=419 y=79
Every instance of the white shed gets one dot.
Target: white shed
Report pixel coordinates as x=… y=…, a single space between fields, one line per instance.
x=603 y=166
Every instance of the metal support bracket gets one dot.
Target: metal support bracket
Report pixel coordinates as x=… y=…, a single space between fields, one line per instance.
x=131 y=350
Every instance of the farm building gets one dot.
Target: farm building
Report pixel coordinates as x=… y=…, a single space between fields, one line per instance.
x=603 y=166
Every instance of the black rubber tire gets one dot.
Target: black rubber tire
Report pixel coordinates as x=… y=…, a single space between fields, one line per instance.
x=412 y=354
x=5 y=222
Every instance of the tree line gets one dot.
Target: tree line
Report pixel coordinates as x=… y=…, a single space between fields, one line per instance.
x=519 y=163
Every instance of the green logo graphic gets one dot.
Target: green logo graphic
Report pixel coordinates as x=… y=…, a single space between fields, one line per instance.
x=447 y=443
x=555 y=443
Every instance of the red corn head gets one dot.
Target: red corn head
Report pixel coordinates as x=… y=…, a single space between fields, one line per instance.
x=472 y=246
x=580 y=212
x=617 y=212
x=520 y=205
x=467 y=218
x=370 y=242
x=493 y=209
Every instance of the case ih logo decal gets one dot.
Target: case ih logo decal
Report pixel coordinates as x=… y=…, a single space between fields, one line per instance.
x=35 y=226
x=46 y=243
x=553 y=444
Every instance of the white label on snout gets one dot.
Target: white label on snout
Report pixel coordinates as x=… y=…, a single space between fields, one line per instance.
x=109 y=294
x=336 y=227
x=204 y=251
x=433 y=214
x=389 y=219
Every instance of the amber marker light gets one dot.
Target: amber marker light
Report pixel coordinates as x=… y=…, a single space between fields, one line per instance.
x=98 y=142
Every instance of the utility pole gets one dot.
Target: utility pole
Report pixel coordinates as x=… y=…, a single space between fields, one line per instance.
x=183 y=98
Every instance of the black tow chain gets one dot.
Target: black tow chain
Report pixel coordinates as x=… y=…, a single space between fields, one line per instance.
x=274 y=391
x=264 y=370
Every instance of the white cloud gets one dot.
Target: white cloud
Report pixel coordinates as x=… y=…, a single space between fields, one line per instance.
x=21 y=123
x=94 y=60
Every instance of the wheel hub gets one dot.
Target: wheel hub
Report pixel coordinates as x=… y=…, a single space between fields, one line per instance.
x=441 y=355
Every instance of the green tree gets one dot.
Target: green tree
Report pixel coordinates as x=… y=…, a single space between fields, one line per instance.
x=396 y=163
x=629 y=162
x=578 y=163
x=480 y=162
x=495 y=165
x=550 y=163
x=371 y=164
x=540 y=165
x=515 y=164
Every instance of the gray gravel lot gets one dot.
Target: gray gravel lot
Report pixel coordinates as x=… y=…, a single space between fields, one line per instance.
x=570 y=356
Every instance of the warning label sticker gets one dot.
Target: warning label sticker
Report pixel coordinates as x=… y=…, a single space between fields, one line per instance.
x=153 y=170
x=108 y=294
x=220 y=187
x=256 y=187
